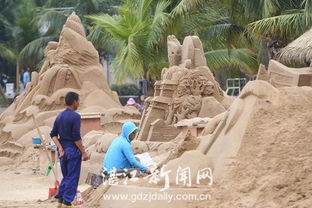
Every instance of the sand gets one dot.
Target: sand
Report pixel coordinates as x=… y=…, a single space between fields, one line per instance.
x=271 y=169
x=259 y=146
x=274 y=163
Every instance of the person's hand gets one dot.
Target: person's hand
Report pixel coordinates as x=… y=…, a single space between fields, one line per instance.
x=85 y=156
x=61 y=152
x=148 y=171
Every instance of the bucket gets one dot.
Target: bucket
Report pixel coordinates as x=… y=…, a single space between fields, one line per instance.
x=53 y=191
x=36 y=141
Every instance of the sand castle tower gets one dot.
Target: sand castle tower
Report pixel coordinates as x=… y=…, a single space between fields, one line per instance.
x=187 y=89
x=71 y=64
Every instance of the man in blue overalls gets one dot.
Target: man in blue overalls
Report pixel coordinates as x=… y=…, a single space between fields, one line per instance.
x=66 y=136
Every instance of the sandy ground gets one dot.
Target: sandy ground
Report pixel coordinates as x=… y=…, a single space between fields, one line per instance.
x=20 y=188
x=23 y=188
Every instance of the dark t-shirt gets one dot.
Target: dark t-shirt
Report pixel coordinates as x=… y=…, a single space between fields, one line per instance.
x=67 y=128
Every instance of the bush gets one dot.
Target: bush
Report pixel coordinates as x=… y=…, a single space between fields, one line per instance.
x=126 y=89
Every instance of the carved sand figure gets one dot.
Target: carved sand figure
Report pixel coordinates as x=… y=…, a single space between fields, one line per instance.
x=71 y=64
x=181 y=90
x=280 y=75
x=223 y=135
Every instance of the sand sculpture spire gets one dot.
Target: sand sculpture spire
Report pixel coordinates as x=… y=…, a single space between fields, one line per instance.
x=71 y=64
x=186 y=90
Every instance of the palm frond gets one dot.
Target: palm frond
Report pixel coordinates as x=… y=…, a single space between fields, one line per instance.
x=4 y=20
x=270 y=7
x=286 y=25
x=307 y=10
x=7 y=53
x=186 y=6
x=260 y=8
x=51 y=21
x=239 y=58
x=101 y=39
x=127 y=62
x=32 y=53
x=143 y=9
x=111 y=24
x=160 y=20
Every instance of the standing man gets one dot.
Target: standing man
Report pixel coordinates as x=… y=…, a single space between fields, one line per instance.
x=66 y=135
x=26 y=76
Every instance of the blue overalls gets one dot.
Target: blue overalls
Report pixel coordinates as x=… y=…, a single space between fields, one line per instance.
x=119 y=154
x=67 y=128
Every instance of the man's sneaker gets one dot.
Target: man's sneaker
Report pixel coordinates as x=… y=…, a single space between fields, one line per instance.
x=60 y=203
x=66 y=204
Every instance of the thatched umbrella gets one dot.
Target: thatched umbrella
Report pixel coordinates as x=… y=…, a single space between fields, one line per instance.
x=298 y=51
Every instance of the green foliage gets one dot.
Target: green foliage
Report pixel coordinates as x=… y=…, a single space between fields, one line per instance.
x=7 y=53
x=234 y=32
x=293 y=17
x=239 y=58
x=136 y=30
x=126 y=89
x=26 y=26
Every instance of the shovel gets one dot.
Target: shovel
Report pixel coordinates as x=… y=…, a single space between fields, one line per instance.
x=31 y=111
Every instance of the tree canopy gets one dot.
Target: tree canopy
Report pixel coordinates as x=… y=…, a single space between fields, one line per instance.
x=237 y=35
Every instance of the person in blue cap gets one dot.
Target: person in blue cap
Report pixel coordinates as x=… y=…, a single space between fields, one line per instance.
x=66 y=135
x=120 y=155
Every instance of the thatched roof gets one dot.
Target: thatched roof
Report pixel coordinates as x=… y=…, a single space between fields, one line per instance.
x=298 y=51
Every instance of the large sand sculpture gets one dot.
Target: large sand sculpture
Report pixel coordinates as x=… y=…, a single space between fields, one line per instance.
x=262 y=154
x=187 y=89
x=71 y=64
x=223 y=135
x=259 y=151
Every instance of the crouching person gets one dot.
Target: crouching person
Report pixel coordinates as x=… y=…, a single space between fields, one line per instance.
x=120 y=155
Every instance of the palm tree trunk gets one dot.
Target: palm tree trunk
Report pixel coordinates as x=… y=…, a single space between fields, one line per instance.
x=17 y=77
x=5 y=100
x=145 y=72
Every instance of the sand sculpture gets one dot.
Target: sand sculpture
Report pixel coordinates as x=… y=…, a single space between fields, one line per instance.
x=280 y=75
x=269 y=163
x=71 y=64
x=233 y=144
x=254 y=148
x=223 y=135
x=187 y=89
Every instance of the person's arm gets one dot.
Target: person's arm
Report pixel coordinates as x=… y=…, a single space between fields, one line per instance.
x=77 y=137
x=127 y=151
x=82 y=150
x=59 y=146
x=54 y=137
x=80 y=146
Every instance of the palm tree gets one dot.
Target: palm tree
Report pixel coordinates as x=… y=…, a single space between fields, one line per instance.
x=223 y=32
x=290 y=17
x=50 y=18
x=289 y=20
x=137 y=30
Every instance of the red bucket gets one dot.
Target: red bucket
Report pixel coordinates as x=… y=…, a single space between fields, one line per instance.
x=53 y=191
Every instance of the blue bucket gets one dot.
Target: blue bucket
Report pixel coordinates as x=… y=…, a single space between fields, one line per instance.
x=36 y=140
